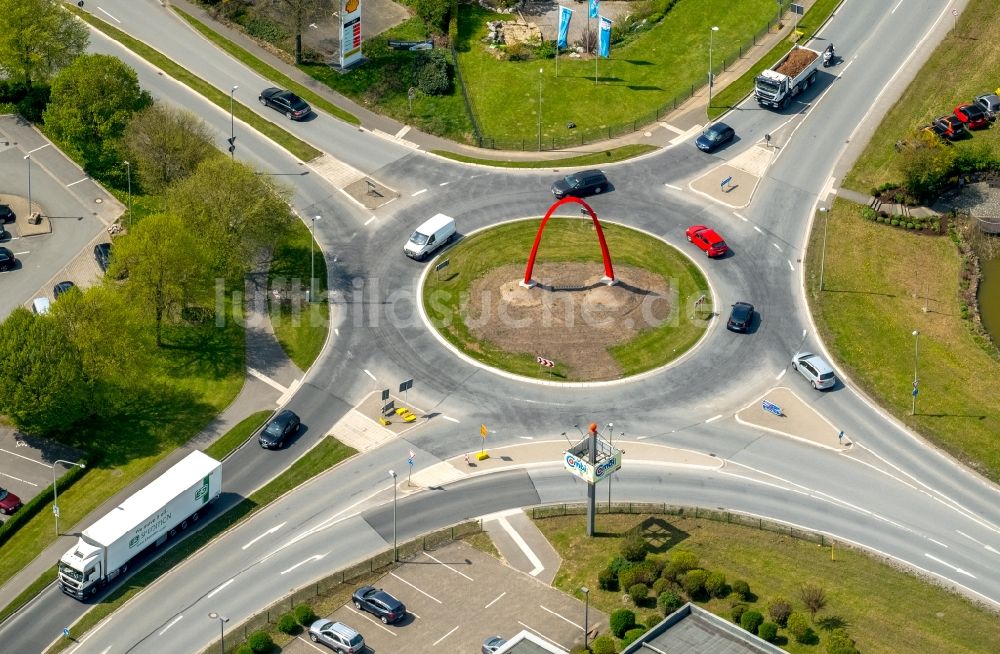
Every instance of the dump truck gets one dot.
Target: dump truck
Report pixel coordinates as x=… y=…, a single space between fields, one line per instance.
x=170 y=503
x=794 y=73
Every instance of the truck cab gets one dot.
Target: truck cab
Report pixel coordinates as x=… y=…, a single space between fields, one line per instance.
x=80 y=569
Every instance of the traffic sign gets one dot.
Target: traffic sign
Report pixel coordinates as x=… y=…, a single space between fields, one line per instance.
x=482 y=431
x=914 y=392
x=915 y=383
x=771 y=407
x=55 y=511
x=409 y=460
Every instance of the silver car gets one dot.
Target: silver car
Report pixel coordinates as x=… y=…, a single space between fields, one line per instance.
x=337 y=636
x=815 y=369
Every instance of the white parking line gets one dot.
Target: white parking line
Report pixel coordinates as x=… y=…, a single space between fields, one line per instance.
x=26 y=458
x=740 y=216
x=415 y=588
x=23 y=481
x=444 y=183
x=171 y=624
x=367 y=372
x=40 y=147
x=560 y=616
x=219 y=589
x=423 y=190
x=548 y=638
x=459 y=572
x=314 y=646
x=377 y=623
x=496 y=600
x=20 y=254
x=445 y=636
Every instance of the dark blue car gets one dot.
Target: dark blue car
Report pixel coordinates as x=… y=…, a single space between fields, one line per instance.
x=715 y=136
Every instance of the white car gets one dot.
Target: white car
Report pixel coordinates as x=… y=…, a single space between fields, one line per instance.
x=815 y=369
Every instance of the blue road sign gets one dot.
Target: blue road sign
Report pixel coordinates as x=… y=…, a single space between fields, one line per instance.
x=65 y=632
x=726 y=181
x=770 y=406
x=914 y=392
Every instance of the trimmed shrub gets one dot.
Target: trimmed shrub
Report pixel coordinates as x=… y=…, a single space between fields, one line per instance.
x=737 y=612
x=434 y=73
x=638 y=593
x=894 y=222
x=909 y=225
x=304 y=615
x=632 y=635
x=618 y=564
x=750 y=620
x=742 y=589
x=634 y=546
x=768 y=631
x=868 y=213
x=694 y=582
x=260 y=642
x=715 y=584
x=607 y=579
x=603 y=644
x=660 y=586
x=621 y=621
x=668 y=602
x=840 y=643
x=680 y=562
x=244 y=649
x=288 y=625
x=779 y=609
x=798 y=626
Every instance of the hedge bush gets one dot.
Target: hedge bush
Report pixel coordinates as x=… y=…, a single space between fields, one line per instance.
x=638 y=593
x=737 y=612
x=40 y=501
x=779 y=609
x=668 y=602
x=244 y=649
x=607 y=579
x=288 y=625
x=694 y=582
x=768 y=631
x=260 y=642
x=643 y=572
x=634 y=546
x=750 y=620
x=621 y=621
x=603 y=644
x=840 y=643
x=799 y=627
x=742 y=589
x=305 y=615
x=632 y=635
x=715 y=584
x=660 y=586
x=680 y=562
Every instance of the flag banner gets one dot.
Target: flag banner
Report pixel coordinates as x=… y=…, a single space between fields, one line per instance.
x=604 y=38
x=565 y=14
x=594 y=8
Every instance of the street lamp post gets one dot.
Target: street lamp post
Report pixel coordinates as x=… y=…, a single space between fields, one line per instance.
x=916 y=353
x=711 y=81
x=395 y=554
x=312 y=259
x=27 y=158
x=586 y=612
x=222 y=629
x=541 y=77
x=232 y=122
x=128 y=172
x=55 y=492
x=822 y=258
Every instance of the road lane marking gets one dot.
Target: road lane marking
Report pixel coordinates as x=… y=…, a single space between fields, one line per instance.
x=790 y=266
x=101 y=9
x=937 y=542
x=367 y=372
x=367 y=222
x=415 y=588
x=444 y=183
x=523 y=546
x=560 y=616
x=40 y=147
x=496 y=600
x=740 y=216
x=401 y=132
x=170 y=624
x=956 y=569
x=336 y=332
x=267 y=380
x=445 y=636
x=314 y=557
x=269 y=531
x=423 y=190
x=448 y=566
x=449 y=418
x=713 y=418
x=776 y=247
x=988 y=548
x=781 y=374
x=671 y=186
x=219 y=589
x=759 y=230
x=896 y=7
x=77 y=182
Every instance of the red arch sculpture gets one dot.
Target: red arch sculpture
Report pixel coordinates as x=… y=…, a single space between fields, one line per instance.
x=609 y=273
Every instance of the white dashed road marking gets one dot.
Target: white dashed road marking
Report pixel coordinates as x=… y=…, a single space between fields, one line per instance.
x=423 y=190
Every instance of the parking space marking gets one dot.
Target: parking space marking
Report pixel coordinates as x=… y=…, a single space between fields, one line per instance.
x=26 y=458
x=445 y=636
x=561 y=616
x=171 y=624
x=21 y=254
x=377 y=623
x=23 y=481
x=496 y=600
x=415 y=588
x=551 y=640
x=314 y=557
x=439 y=561
x=311 y=644
x=523 y=546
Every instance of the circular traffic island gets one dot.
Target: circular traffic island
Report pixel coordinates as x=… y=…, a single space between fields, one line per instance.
x=571 y=326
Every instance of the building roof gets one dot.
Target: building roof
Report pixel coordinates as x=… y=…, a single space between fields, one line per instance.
x=693 y=630
x=525 y=642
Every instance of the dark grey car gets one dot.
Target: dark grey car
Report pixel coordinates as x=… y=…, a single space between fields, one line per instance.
x=102 y=254
x=379 y=603
x=740 y=317
x=714 y=137
x=582 y=184
x=294 y=107
x=278 y=430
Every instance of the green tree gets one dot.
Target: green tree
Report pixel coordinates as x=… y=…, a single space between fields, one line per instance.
x=234 y=210
x=167 y=266
x=93 y=100
x=434 y=13
x=165 y=144
x=46 y=389
x=925 y=165
x=37 y=38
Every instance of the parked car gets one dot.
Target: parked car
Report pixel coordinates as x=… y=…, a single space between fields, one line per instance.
x=740 y=317
x=337 y=636
x=707 y=239
x=815 y=369
x=949 y=127
x=715 y=136
x=582 y=184
x=294 y=107
x=9 y=502
x=102 y=254
x=990 y=102
x=7 y=260
x=278 y=430
x=492 y=644
x=6 y=214
x=973 y=115
x=379 y=603
x=62 y=287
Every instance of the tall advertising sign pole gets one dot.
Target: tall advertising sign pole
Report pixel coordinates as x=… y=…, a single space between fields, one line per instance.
x=593 y=460
x=592 y=487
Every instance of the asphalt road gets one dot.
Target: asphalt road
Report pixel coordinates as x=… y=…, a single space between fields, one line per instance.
x=892 y=494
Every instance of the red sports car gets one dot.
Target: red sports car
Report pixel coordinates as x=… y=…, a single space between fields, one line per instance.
x=707 y=239
x=973 y=115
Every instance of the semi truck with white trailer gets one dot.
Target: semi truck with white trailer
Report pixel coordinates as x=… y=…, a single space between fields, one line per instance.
x=169 y=503
x=794 y=73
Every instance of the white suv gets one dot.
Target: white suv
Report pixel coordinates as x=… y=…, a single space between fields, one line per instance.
x=815 y=369
x=336 y=635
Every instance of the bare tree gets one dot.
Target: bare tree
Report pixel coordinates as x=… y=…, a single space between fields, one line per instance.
x=297 y=14
x=813 y=597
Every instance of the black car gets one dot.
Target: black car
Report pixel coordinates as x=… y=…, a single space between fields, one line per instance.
x=6 y=214
x=715 y=136
x=7 y=260
x=740 y=317
x=294 y=107
x=102 y=254
x=281 y=427
x=62 y=287
x=582 y=184
x=379 y=603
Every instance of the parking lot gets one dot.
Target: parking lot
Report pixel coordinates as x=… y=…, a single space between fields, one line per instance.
x=455 y=597
x=26 y=463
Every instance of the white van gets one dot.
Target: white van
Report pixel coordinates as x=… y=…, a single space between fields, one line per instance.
x=435 y=232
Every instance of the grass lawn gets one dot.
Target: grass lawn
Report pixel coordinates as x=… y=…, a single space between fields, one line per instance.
x=295 y=146
x=592 y=159
x=327 y=453
x=301 y=331
x=235 y=436
x=945 y=81
x=876 y=278
x=640 y=77
x=738 y=89
x=566 y=239
x=883 y=609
